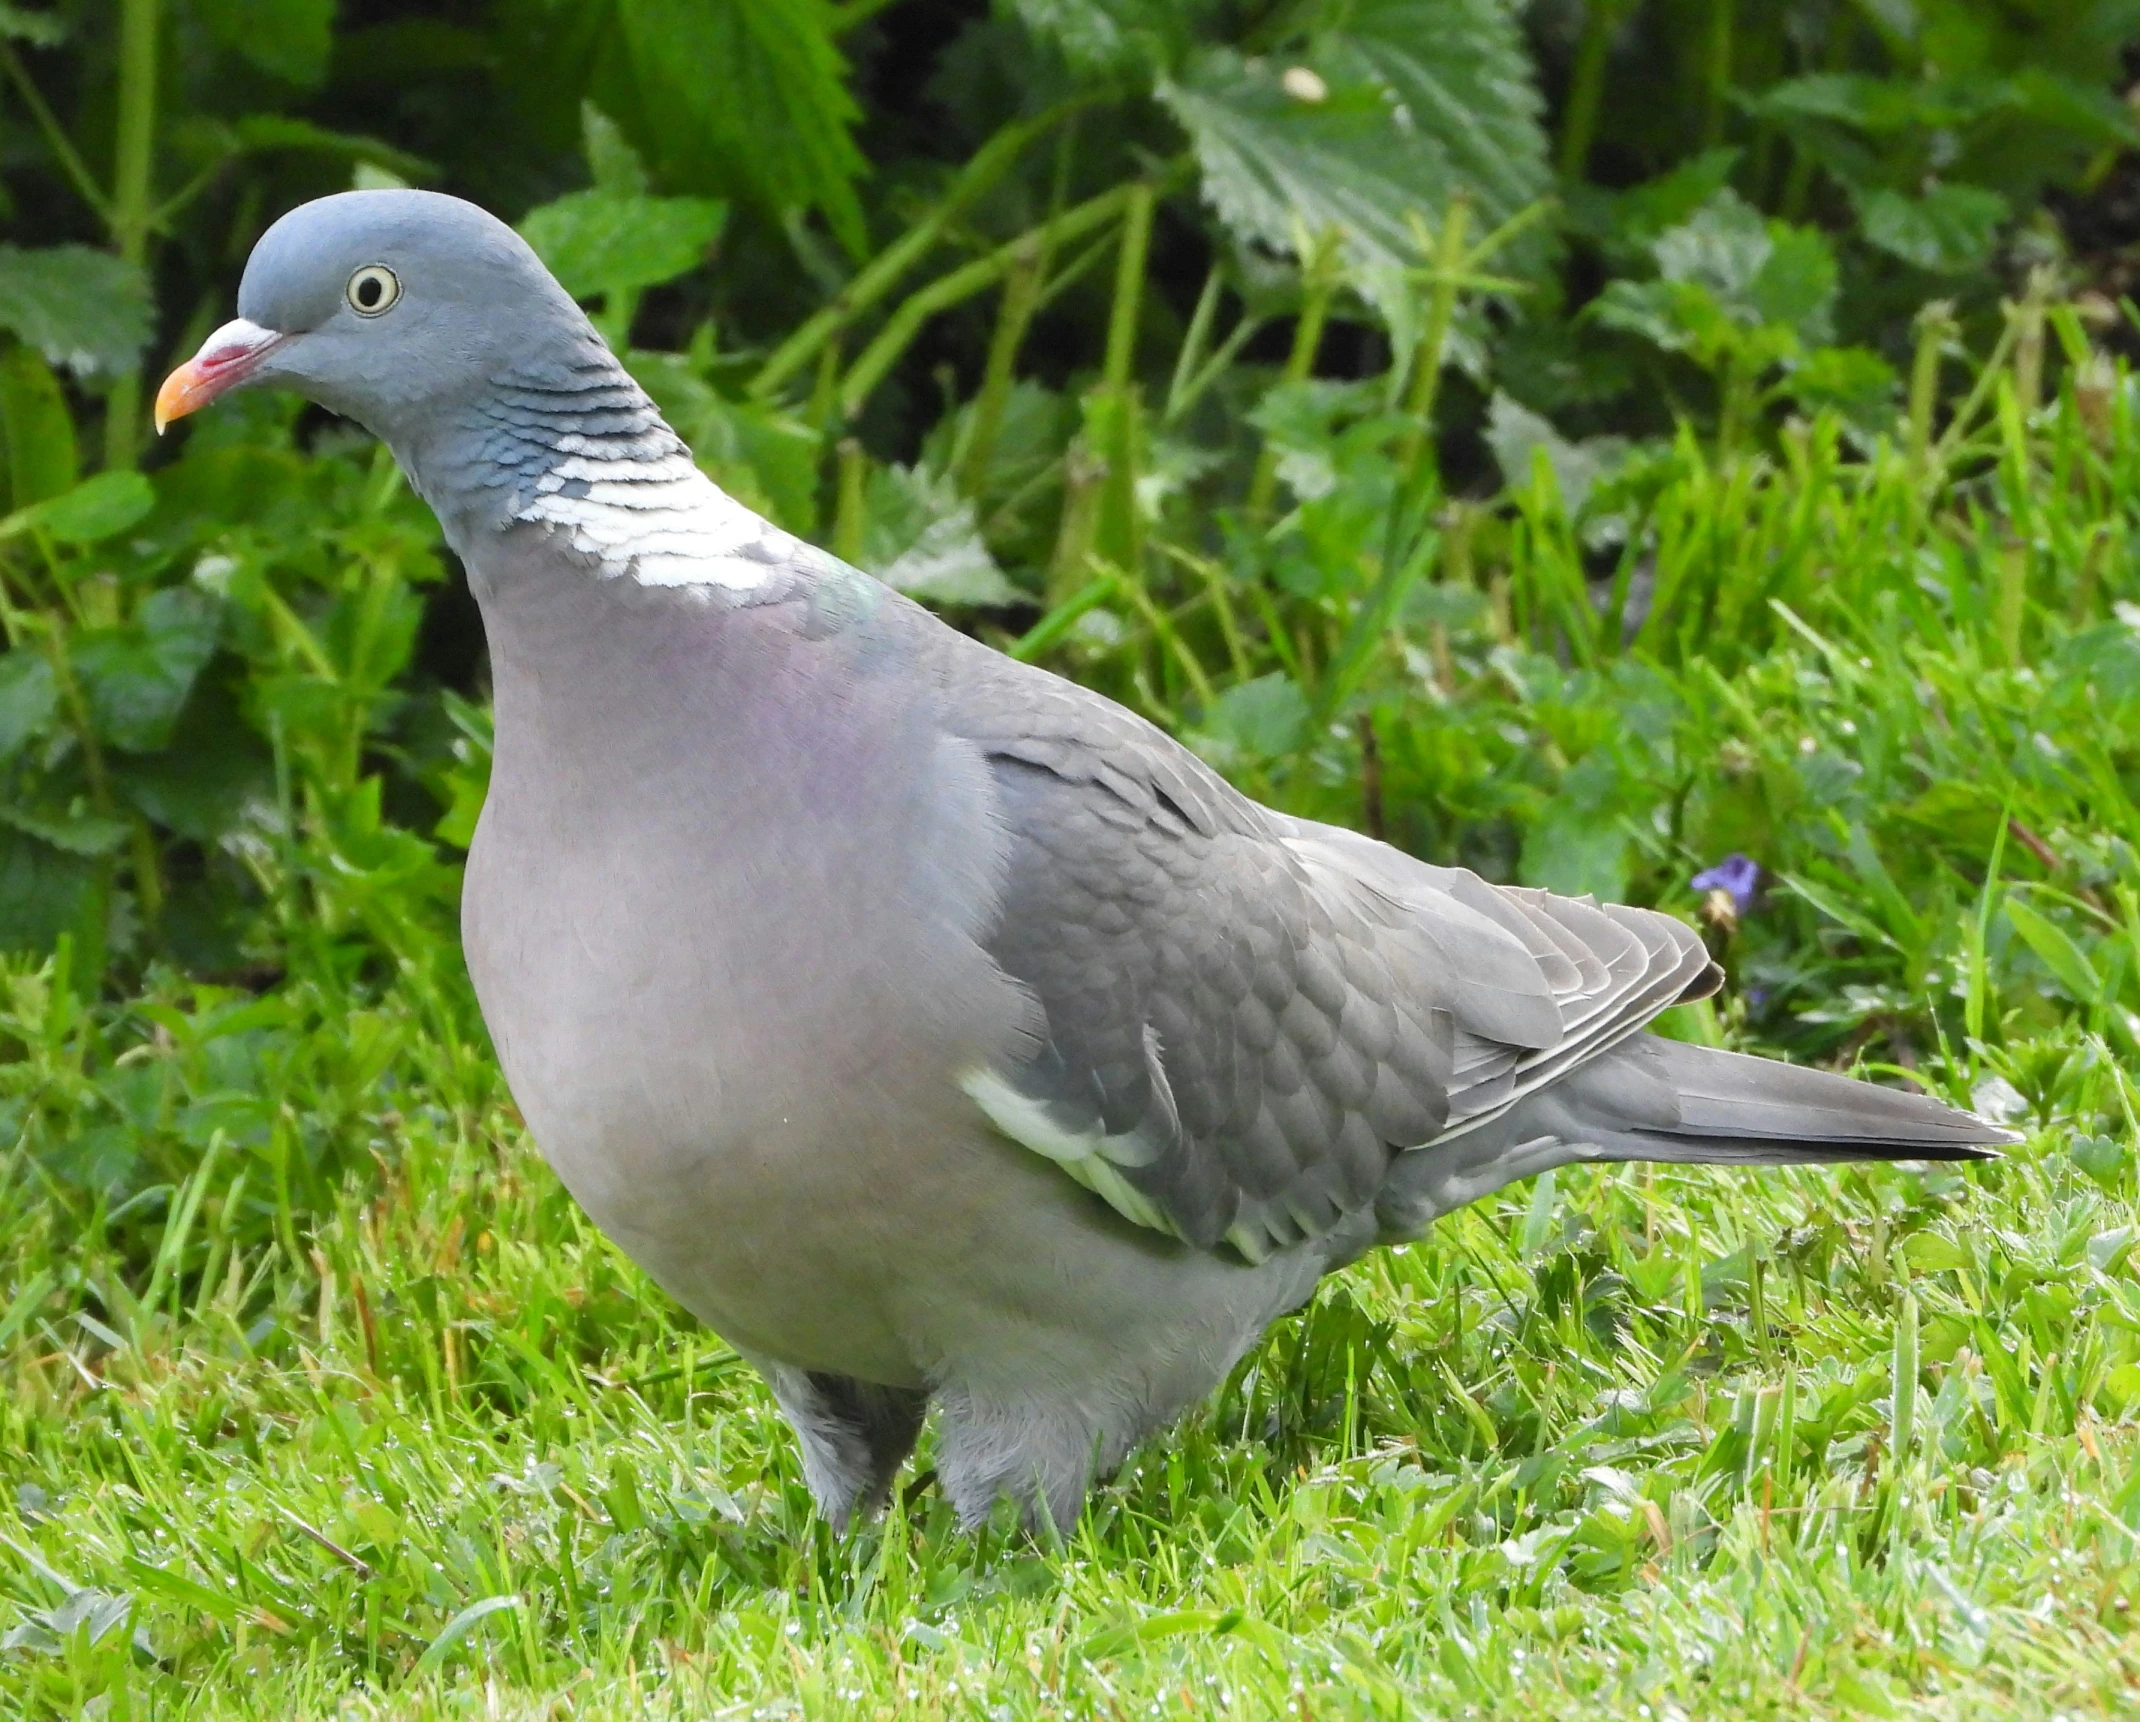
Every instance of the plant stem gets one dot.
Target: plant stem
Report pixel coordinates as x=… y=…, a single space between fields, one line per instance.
x=54 y=134
x=1586 y=89
x=2028 y=319
x=131 y=209
x=1163 y=630
x=1194 y=340
x=1084 y=476
x=1935 y=324
x=1318 y=288
x=881 y=274
x=1021 y=293
x=1718 y=71
x=1129 y=286
x=1061 y=619
x=961 y=284
x=847 y=517
x=1444 y=277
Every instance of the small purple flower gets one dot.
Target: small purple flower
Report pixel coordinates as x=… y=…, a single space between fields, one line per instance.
x=1737 y=876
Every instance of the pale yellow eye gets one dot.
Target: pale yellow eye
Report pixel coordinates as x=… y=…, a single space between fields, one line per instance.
x=372 y=290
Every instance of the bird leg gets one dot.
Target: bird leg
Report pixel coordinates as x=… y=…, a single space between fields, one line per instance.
x=854 y=1435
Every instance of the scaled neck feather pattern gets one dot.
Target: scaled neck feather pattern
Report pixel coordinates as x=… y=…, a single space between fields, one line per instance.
x=575 y=445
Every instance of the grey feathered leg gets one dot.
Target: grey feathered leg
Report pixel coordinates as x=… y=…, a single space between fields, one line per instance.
x=854 y=1436
x=1043 y=1455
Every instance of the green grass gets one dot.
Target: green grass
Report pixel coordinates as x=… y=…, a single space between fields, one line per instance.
x=318 y=1396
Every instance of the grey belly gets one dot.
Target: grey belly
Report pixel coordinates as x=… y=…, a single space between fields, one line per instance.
x=827 y=1197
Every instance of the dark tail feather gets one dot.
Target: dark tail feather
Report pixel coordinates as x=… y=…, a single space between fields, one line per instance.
x=1755 y=1111
x=1652 y=1099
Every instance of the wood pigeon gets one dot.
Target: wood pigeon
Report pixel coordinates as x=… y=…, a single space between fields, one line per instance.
x=938 y=1030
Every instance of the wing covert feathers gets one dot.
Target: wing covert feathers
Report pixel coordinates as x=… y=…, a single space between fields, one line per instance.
x=1257 y=1027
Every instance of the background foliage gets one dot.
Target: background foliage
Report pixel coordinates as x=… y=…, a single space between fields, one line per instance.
x=1586 y=441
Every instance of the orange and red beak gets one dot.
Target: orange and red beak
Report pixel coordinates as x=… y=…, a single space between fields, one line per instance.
x=225 y=360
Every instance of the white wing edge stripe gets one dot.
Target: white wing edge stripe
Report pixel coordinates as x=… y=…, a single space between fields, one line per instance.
x=1083 y=1155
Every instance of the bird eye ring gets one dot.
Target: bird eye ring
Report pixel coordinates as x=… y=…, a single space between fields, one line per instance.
x=372 y=290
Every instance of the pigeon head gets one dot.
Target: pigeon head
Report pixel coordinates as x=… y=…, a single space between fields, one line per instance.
x=393 y=308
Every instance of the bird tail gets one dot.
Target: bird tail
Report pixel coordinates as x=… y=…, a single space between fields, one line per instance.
x=1736 y=1110
x=1655 y=1099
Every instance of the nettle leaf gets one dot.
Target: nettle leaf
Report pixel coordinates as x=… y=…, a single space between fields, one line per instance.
x=1257 y=720
x=213 y=767
x=78 y=830
x=1517 y=436
x=747 y=96
x=1103 y=37
x=921 y=537
x=1625 y=225
x=1579 y=843
x=1951 y=228
x=1755 y=271
x=29 y=697
x=609 y=242
x=1373 y=130
x=136 y=677
x=289 y=39
x=43 y=891
x=94 y=510
x=286 y=132
x=36 y=427
x=83 y=309
x=1855 y=381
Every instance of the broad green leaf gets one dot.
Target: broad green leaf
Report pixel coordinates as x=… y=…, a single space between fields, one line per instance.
x=1516 y=435
x=612 y=161
x=136 y=677
x=742 y=97
x=1412 y=103
x=290 y=39
x=1729 y=268
x=1256 y=720
x=77 y=830
x=1723 y=246
x=1100 y=38
x=43 y=890
x=920 y=537
x=1872 y=104
x=29 y=697
x=38 y=429
x=606 y=242
x=82 y=309
x=2055 y=949
x=1574 y=851
x=1855 y=381
x=286 y=132
x=2102 y=1158
x=1795 y=287
x=212 y=766
x=1579 y=842
x=1933 y=1253
x=94 y=510
x=1626 y=224
x=1951 y=228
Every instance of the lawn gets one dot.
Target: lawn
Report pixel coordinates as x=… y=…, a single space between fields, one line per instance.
x=348 y=1410
x=1674 y=449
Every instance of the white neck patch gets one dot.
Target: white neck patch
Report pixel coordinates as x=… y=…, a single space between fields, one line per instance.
x=655 y=519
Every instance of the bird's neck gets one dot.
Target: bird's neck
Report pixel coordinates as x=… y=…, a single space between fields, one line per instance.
x=572 y=444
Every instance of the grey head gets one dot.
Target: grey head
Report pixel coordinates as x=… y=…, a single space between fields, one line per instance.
x=402 y=310
x=432 y=324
